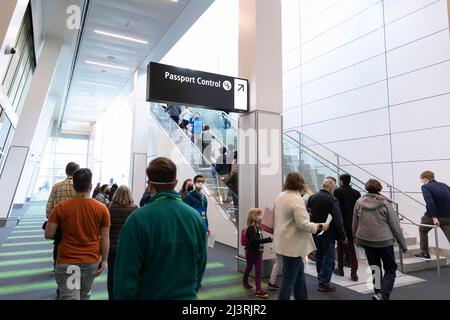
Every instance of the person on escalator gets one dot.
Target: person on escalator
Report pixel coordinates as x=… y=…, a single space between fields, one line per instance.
x=197 y=131
x=198 y=200
x=174 y=112
x=206 y=145
x=223 y=169
x=185 y=116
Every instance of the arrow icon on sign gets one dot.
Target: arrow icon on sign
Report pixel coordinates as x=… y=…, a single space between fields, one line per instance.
x=241 y=88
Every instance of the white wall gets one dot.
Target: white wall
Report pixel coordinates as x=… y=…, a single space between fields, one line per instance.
x=112 y=142
x=371 y=80
x=211 y=43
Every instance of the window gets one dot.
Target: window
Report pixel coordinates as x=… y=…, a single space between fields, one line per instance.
x=6 y=133
x=22 y=65
x=59 y=152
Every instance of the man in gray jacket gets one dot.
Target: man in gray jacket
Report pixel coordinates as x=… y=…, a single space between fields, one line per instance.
x=376 y=227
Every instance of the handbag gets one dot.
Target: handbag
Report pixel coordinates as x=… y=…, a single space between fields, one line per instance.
x=268 y=220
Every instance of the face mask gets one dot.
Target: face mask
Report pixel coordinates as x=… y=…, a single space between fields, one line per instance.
x=190 y=188
x=199 y=186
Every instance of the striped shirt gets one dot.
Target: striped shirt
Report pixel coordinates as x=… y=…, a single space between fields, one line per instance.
x=61 y=191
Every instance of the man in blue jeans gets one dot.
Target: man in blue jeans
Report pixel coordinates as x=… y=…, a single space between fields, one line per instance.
x=323 y=204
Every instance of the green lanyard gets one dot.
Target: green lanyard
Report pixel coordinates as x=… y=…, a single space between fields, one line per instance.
x=177 y=198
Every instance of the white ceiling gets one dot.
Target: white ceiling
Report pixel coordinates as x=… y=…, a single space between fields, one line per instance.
x=93 y=88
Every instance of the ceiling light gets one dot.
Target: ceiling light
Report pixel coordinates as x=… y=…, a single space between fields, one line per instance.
x=107 y=65
x=98 y=84
x=118 y=36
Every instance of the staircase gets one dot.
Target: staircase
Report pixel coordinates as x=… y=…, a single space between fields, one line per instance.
x=314 y=168
x=411 y=263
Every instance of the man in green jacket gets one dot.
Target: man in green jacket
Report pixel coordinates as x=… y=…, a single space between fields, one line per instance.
x=162 y=246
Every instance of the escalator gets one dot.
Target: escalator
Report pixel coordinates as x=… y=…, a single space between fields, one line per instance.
x=181 y=139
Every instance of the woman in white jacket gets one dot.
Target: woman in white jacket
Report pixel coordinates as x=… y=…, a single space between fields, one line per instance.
x=293 y=236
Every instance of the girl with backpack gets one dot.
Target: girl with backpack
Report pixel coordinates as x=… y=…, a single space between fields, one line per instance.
x=253 y=241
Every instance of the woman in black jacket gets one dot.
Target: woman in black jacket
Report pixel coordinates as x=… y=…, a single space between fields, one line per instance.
x=121 y=207
x=254 y=250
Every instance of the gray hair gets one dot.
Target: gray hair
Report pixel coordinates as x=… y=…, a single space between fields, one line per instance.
x=329 y=183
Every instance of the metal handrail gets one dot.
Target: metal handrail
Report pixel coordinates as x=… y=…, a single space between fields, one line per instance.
x=355 y=165
x=316 y=155
x=436 y=235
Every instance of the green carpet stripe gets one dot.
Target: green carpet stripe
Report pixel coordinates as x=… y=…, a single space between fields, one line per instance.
x=24 y=253
x=35 y=286
x=36 y=227
x=23 y=244
x=233 y=291
x=38 y=236
x=100 y=295
x=24 y=273
x=214 y=265
x=213 y=280
x=28 y=231
x=18 y=262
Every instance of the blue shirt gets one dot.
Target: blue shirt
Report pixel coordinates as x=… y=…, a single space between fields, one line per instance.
x=437 y=199
x=197 y=126
x=199 y=203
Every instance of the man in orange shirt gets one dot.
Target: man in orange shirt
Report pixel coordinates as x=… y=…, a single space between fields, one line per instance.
x=83 y=251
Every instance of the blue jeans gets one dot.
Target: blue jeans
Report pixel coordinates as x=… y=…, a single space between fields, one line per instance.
x=293 y=277
x=325 y=259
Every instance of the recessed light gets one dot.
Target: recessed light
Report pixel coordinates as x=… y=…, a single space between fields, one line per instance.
x=98 y=84
x=119 y=36
x=107 y=65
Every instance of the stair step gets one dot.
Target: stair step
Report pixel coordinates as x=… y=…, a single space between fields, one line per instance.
x=412 y=250
x=413 y=264
x=411 y=241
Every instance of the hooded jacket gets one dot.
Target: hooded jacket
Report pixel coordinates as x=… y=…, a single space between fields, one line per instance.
x=375 y=223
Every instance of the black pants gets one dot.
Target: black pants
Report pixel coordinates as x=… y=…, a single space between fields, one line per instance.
x=110 y=283
x=175 y=119
x=382 y=284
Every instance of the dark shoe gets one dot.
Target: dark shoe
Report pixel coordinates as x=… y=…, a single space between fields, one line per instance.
x=354 y=276
x=423 y=256
x=247 y=286
x=262 y=294
x=273 y=286
x=330 y=288
x=339 y=272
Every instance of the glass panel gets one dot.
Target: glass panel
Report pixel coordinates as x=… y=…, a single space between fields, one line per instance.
x=19 y=72
x=24 y=91
x=19 y=81
x=4 y=131
x=58 y=153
